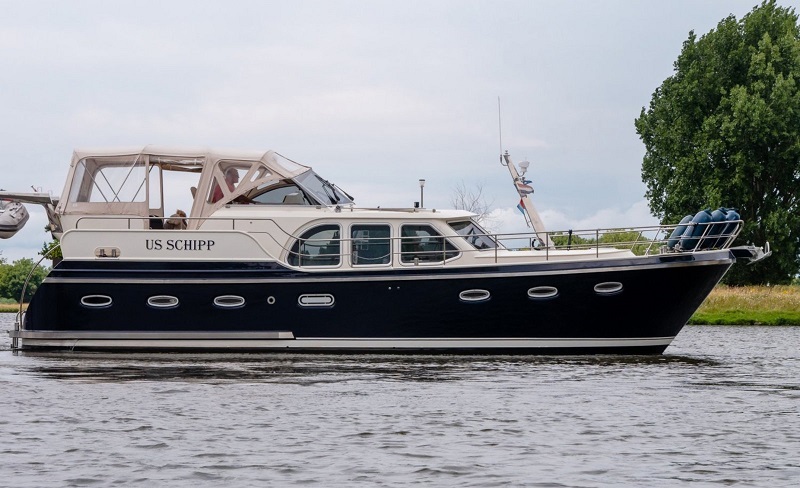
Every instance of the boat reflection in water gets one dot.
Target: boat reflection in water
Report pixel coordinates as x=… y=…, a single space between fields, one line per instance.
x=274 y=257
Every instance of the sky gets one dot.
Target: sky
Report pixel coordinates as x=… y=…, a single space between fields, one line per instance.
x=374 y=95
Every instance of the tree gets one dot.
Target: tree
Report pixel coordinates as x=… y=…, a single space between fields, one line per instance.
x=52 y=250
x=12 y=278
x=724 y=131
x=620 y=239
x=472 y=200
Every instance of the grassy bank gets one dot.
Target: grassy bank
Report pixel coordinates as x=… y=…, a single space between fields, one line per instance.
x=750 y=305
x=11 y=307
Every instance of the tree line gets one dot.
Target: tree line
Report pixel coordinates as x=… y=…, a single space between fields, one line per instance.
x=13 y=276
x=724 y=131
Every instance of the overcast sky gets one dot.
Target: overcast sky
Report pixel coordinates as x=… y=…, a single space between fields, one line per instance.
x=373 y=94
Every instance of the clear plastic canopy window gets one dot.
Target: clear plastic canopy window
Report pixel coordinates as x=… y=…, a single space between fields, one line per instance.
x=110 y=180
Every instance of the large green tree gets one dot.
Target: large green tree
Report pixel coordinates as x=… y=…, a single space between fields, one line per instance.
x=724 y=130
x=13 y=276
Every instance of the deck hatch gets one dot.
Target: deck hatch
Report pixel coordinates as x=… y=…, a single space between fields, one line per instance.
x=96 y=301
x=163 y=302
x=474 y=295
x=542 y=292
x=608 y=288
x=229 y=301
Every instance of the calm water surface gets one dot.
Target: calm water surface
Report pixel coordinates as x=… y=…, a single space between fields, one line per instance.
x=722 y=407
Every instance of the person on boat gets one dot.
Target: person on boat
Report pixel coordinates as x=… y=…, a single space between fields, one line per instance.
x=231 y=178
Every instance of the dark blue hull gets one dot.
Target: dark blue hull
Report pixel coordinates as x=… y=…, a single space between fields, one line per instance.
x=448 y=309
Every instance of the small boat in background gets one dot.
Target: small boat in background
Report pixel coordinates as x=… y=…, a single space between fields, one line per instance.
x=13 y=216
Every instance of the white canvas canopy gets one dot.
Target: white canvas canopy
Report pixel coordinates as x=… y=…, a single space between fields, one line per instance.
x=129 y=181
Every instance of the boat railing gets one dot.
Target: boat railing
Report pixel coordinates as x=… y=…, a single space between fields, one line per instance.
x=641 y=241
x=20 y=318
x=647 y=240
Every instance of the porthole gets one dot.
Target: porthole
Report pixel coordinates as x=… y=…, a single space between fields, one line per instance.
x=316 y=300
x=271 y=300
x=96 y=301
x=542 y=292
x=474 y=295
x=162 y=301
x=229 y=301
x=608 y=288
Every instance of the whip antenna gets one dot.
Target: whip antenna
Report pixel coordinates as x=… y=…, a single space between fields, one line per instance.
x=500 y=129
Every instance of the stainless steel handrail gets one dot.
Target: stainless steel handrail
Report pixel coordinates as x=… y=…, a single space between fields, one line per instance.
x=20 y=314
x=643 y=240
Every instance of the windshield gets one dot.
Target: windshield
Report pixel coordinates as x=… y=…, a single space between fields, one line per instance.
x=323 y=190
x=473 y=234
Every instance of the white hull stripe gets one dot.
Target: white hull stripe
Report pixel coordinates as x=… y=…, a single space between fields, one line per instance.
x=342 y=344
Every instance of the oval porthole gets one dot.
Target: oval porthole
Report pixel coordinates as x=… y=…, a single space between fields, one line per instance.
x=316 y=300
x=96 y=301
x=162 y=301
x=474 y=295
x=542 y=292
x=229 y=301
x=608 y=288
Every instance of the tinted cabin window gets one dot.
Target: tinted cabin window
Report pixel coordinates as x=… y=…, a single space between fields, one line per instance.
x=424 y=243
x=280 y=194
x=319 y=246
x=371 y=244
x=473 y=234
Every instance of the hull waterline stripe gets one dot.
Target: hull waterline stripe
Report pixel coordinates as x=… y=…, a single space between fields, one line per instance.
x=384 y=277
x=355 y=344
x=58 y=334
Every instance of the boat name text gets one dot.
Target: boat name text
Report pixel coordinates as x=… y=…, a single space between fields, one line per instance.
x=178 y=244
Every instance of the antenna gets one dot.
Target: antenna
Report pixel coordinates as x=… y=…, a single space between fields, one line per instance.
x=500 y=129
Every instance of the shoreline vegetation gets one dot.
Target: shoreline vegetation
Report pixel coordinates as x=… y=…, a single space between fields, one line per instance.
x=750 y=305
x=726 y=305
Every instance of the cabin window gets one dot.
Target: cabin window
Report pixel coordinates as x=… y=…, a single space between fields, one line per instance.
x=608 y=288
x=422 y=243
x=371 y=244
x=473 y=234
x=316 y=300
x=326 y=192
x=229 y=301
x=319 y=246
x=542 y=292
x=279 y=193
x=119 y=179
x=232 y=180
x=96 y=301
x=163 y=302
x=475 y=295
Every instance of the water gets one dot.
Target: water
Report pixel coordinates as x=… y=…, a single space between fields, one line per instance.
x=722 y=407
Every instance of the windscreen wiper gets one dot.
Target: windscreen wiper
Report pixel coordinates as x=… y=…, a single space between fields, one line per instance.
x=326 y=185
